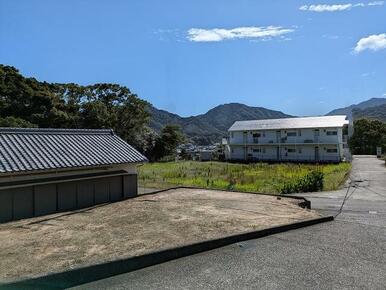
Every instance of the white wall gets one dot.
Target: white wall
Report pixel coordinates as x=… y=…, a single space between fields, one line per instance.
x=270 y=136
x=237 y=152
x=236 y=138
x=305 y=151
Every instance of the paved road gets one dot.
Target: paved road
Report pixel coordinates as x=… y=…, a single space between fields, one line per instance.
x=347 y=253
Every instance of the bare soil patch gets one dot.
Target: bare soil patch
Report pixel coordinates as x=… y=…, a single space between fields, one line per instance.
x=54 y=243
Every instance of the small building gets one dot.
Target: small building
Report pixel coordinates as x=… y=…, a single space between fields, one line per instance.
x=205 y=155
x=43 y=171
x=308 y=139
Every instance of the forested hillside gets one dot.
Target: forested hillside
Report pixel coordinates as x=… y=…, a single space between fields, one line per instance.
x=373 y=113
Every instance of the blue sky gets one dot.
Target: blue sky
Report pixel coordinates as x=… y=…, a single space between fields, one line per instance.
x=300 y=57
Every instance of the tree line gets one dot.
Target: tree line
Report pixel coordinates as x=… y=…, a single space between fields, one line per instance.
x=367 y=136
x=27 y=102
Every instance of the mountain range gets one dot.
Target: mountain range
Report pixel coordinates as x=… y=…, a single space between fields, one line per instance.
x=213 y=125
x=371 y=103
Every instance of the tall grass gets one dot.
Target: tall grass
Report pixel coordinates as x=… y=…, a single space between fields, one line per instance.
x=258 y=177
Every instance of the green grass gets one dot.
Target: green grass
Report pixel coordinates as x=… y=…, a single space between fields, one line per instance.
x=258 y=177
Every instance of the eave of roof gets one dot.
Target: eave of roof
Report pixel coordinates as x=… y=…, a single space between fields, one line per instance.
x=290 y=123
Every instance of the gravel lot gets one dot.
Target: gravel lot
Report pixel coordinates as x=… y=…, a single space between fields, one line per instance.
x=54 y=243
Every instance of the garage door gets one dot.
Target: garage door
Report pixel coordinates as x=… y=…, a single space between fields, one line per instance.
x=6 y=211
x=101 y=192
x=85 y=194
x=46 y=199
x=67 y=196
x=116 y=188
x=23 y=201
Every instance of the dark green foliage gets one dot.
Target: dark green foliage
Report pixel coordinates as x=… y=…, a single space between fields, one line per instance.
x=166 y=143
x=185 y=155
x=368 y=134
x=15 y=123
x=26 y=102
x=311 y=182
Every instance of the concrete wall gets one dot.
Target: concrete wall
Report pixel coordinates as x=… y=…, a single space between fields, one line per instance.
x=37 y=200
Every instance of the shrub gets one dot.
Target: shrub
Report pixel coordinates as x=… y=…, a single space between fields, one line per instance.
x=312 y=181
x=231 y=185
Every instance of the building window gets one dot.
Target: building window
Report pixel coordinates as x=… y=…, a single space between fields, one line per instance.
x=300 y=132
x=291 y=150
x=300 y=150
x=291 y=134
x=332 y=133
x=256 y=150
x=231 y=134
x=233 y=151
x=332 y=150
x=256 y=135
x=263 y=150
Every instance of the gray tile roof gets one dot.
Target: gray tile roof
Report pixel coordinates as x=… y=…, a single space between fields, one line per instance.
x=23 y=150
x=290 y=123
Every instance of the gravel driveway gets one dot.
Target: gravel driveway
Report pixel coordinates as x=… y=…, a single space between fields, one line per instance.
x=54 y=243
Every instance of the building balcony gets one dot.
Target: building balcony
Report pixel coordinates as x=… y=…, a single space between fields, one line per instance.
x=287 y=142
x=291 y=157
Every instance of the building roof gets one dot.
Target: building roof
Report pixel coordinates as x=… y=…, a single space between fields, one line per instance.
x=23 y=150
x=290 y=123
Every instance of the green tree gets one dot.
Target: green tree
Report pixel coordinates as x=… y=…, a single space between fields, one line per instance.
x=133 y=120
x=368 y=134
x=26 y=102
x=15 y=123
x=166 y=144
x=171 y=136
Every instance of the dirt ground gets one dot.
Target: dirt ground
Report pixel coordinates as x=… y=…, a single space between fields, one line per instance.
x=55 y=243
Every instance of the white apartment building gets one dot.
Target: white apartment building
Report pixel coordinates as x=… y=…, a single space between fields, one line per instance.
x=308 y=139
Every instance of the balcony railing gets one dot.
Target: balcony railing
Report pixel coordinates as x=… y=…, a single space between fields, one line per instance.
x=299 y=157
x=283 y=141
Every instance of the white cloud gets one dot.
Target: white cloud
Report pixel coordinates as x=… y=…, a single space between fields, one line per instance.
x=332 y=37
x=252 y=32
x=373 y=42
x=367 y=74
x=338 y=7
x=376 y=3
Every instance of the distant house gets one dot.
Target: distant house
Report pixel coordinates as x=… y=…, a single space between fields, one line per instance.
x=309 y=139
x=43 y=171
x=205 y=155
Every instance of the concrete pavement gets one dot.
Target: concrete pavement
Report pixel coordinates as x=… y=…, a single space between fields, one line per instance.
x=347 y=253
